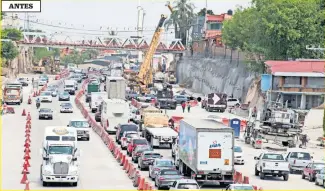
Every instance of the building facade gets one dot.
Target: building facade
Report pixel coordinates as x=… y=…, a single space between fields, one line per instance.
x=298 y=84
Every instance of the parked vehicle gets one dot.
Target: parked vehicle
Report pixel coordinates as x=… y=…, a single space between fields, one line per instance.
x=232 y=102
x=137 y=152
x=215 y=102
x=126 y=138
x=121 y=128
x=166 y=178
x=159 y=165
x=185 y=184
x=272 y=164
x=312 y=169
x=239 y=159
x=239 y=187
x=320 y=178
x=135 y=142
x=45 y=113
x=147 y=158
x=298 y=159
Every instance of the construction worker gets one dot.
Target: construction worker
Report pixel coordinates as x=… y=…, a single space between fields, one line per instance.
x=183 y=106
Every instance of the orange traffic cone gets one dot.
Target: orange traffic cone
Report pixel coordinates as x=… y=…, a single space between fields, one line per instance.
x=141 y=184
x=27 y=131
x=29 y=117
x=25 y=169
x=27 y=163
x=26 y=156
x=27 y=150
x=27 y=185
x=28 y=139
x=24 y=179
x=26 y=145
x=24 y=113
x=34 y=94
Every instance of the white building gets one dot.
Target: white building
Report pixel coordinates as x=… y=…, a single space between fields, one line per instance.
x=10 y=21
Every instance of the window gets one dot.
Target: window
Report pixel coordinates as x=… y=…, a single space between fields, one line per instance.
x=169 y=172
x=273 y=157
x=45 y=110
x=300 y=156
x=189 y=186
x=243 y=188
x=52 y=138
x=238 y=150
x=164 y=163
x=318 y=165
x=214 y=26
x=68 y=138
x=139 y=141
x=79 y=124
x=60 y=150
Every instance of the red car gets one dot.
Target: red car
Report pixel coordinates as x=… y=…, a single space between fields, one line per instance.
x=135 y=142
x=312 y=169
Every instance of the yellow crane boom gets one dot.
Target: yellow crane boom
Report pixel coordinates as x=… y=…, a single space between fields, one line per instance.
x=145 y=75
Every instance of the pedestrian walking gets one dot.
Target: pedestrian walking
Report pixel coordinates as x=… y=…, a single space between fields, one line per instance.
x=188 y=107
x=183 y=106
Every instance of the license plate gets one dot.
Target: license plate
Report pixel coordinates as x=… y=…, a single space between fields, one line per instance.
x=276 y=171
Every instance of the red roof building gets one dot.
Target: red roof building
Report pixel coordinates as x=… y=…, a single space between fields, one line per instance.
x=299 y=83
x=214 y=27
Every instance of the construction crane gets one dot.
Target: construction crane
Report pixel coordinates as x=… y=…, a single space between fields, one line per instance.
x=145 y=76
x=169 y=7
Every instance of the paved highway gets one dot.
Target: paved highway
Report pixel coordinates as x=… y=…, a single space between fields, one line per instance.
x=99 y=170
x=98 y=167
x=270 y=183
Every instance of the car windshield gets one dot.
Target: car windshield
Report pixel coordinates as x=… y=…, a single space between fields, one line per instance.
x=300 y=156
x=51 y=90
x=243 y=188
x=46 y=93
x=142 y=148
x=65 y=93
x=139 y=141
x=152 y=155
x=45 y=110
x=132 y=135
x=128 y=128
x=318 y=165
x=60 y=150
x=164 y=163
x=188 y=186
x=66 y=105
x=79 y=124
x=273 y=157
x=238 y=150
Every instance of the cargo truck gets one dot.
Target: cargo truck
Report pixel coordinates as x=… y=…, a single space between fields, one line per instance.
x=205 y=151
x=115 y=87
x=92 y=87
x=215 y=102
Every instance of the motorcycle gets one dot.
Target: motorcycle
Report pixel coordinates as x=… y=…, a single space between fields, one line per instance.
x=38 y=105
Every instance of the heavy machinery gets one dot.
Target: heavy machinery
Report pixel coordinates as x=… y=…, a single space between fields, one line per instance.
x=274 y=123
x=39 y=68
x=145 y=76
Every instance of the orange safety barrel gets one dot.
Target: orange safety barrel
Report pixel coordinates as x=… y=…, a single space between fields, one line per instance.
x=225 y=121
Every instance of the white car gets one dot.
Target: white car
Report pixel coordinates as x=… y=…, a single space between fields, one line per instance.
x=238 y=152
x=232 y=102
x=82 y=126
x=46 y=96
x=127 y=136
x=185 y=184
x=234 y=187
x=66 y=108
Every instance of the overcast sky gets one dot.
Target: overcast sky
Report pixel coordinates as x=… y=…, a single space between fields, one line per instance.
x=121 y=14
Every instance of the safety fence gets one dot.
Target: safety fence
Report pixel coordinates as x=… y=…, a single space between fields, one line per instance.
x=131 y=170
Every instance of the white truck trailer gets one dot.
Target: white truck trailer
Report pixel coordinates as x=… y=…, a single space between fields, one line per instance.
x=114 y=112
x=96 y=100
x=160 y=136
x=115 y=87
x=70 y=86
x=205 y=151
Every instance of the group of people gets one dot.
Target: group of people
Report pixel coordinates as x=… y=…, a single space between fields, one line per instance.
x=186 y=104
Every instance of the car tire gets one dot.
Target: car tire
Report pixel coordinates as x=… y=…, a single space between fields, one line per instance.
x=316 y=183
x=303 y=176
x=323 y=183
x=262 y=175
x=286 y=177
x=310 y=178
x=256 y=172
x=44 y=183
x=75 y=184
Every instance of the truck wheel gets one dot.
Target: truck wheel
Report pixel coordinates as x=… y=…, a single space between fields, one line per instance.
x=44 y=183
x=286 y=177
x=75 y=184
x=256 y=172
x=262 y=175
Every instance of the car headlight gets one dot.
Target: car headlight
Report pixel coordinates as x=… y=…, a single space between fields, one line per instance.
x=47 y=172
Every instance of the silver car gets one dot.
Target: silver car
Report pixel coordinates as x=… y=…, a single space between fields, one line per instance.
x=64 y=96
x=147 y=158
x=54 y=91
x=45 y=113
x=158 y=165
x=166 y=177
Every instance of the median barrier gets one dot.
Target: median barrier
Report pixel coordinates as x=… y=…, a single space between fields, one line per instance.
x=141 y=184
x=125 y=164
x=123 y=160
x=137 y=179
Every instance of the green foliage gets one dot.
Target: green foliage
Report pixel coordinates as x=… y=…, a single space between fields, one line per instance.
x=9 y=51
x=41 y=53
x=181 y=18
x=202 y=12
x=76 y=57
x=2 y=15
x=276 y=30
x=12 y=34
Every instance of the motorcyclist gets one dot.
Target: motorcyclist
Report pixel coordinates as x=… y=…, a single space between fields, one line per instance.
x=38 y=102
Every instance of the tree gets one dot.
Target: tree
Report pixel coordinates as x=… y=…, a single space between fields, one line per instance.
x=275 y=30
x=202 y=12
x=2 y=15
x=8 y=51
x=75 y=57
x=41 y=53
x=12 y=34
x=181 y=18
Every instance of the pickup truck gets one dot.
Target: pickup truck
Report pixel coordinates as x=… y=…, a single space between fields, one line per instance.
x=273 y=164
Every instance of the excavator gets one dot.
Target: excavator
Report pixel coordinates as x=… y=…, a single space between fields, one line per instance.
x=145 y=76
